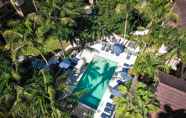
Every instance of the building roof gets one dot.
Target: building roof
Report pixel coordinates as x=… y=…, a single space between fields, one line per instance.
x=3 y=3
x=171 y=91
x=181 y=11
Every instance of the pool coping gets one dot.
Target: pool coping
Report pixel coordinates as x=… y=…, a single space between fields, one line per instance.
x=86 y=106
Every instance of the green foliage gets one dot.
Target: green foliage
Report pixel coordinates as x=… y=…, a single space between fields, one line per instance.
x=137 y=106
x=58 y=21
x=34 y=99
x=144 y=67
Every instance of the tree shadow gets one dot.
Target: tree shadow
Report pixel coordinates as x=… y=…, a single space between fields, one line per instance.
x=170 y=113
x=107 y=73
x=108 y=69
x=93 y=72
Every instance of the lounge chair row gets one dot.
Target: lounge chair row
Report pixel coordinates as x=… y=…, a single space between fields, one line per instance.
x=108 y=111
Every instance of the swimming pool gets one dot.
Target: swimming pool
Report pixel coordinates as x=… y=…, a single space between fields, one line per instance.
x=95 y=80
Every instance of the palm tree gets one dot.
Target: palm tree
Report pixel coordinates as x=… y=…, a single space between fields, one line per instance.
x=147 y=68
x=13 y=39
x=138 y=105
x=16 y=4
x=34 y=4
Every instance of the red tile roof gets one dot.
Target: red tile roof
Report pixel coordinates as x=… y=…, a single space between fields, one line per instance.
x=181 y=11
x=172 y=81
x=171 y=96
x=171 y=91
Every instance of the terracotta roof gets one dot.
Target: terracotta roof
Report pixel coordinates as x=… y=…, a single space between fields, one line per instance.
x=181 y=11
x=171 y=91
x=172 y=81
x=171 y=96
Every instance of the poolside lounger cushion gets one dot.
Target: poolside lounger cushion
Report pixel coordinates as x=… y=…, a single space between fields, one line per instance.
x=104 y=115
x=74 y=60
x=108 y=111
x=127 y=65
x=109 y=105
x=125 y=70
x=119 y=81
x=118 y=48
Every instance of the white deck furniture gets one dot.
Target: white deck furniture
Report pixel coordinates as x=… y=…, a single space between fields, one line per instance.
x=120 y=60
x=140 y=33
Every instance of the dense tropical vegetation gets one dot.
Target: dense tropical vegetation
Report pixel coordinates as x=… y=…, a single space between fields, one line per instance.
x=135 y=104
x=27 y=92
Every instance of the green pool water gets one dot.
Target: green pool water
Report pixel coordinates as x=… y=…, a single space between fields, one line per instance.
x=95 y=80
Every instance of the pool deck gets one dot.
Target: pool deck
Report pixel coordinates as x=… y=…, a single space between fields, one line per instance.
x=120 y=60
x=88 y=55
